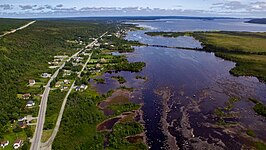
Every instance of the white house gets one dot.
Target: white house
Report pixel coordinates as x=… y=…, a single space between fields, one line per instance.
x=18 y=143
x=30 y=103
x=66 y=82
x=83 y=87
x=3 y=144
x=31 y=82
x=46 y=75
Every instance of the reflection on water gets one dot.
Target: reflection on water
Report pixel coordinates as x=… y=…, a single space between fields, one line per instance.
x=199 y=83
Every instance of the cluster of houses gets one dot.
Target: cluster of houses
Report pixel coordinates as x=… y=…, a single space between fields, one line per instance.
x=56 y=61
x=67 y=72
x=62 y=84
x=81 y=87
x=30 y=103
x=77 y=59
x=17 y=144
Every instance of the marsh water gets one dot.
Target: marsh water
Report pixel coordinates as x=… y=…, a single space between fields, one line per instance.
x=197 y=83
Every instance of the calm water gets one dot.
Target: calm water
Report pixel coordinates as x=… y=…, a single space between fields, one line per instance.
x=199 y=83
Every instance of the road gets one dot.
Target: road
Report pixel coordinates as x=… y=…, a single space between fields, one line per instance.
x=20 y=28
x=48 y=143
x=36 y=141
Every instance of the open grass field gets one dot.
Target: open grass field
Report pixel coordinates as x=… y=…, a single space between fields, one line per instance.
x=234 y=41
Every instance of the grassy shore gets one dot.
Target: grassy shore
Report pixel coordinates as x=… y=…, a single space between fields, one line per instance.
x=247 y=49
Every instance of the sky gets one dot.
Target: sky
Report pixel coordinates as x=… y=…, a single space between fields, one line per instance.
x=86 y=8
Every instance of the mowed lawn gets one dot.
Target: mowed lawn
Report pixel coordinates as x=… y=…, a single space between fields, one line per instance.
x=237 y=41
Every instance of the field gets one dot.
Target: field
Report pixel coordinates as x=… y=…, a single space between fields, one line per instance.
x=247 y=49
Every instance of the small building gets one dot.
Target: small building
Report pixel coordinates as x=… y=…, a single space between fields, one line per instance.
x=30 y=103
x=62 y=88
x=66 y=82
x=77 y=88
x=58 y=84
x=46 y=75
x=3 y=144
x=22 y=119
x=31 y=82
x=26 y=96
x=103 y=60
x=22 y=124
x=98 y=65
x=83 y=87
x=18 y=143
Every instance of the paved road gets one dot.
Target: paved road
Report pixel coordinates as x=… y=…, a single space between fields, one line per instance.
x=48 y=143
x=20 y=28
x=36 y=141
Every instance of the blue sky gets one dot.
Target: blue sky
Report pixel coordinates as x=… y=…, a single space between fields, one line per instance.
x=63 y=8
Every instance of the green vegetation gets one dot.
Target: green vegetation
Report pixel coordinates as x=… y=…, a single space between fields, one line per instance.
x=54 y=103
x=250 y=133
x=141 y=77
x=126 y=88
x=118 y=44
x=168 y=34
x=120 y=131
x=99 y=80
x=120 y=79
x=78 y=125
x=120 y=108
x=127 y=66
x=81 y=115
x=9 y=24
x=25 y=54
x=247 y=49
x=224 y=112
x=260 y=146
x=230 y=103
x=259 y=107
x=257 y=21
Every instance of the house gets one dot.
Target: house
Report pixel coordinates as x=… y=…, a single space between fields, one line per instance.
x=46 y=75
x=22 y=118
x=62 y=88
x=98 y=65
x=58 y=84
x=77 y=88
x=103 y=60
x=66 y=82
x=22 y=124
x=83 y=87
x=26 y=96
x=67 y=72
x=18 y=143
x=30 y=103
x=3 y=144
x=31 y=82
